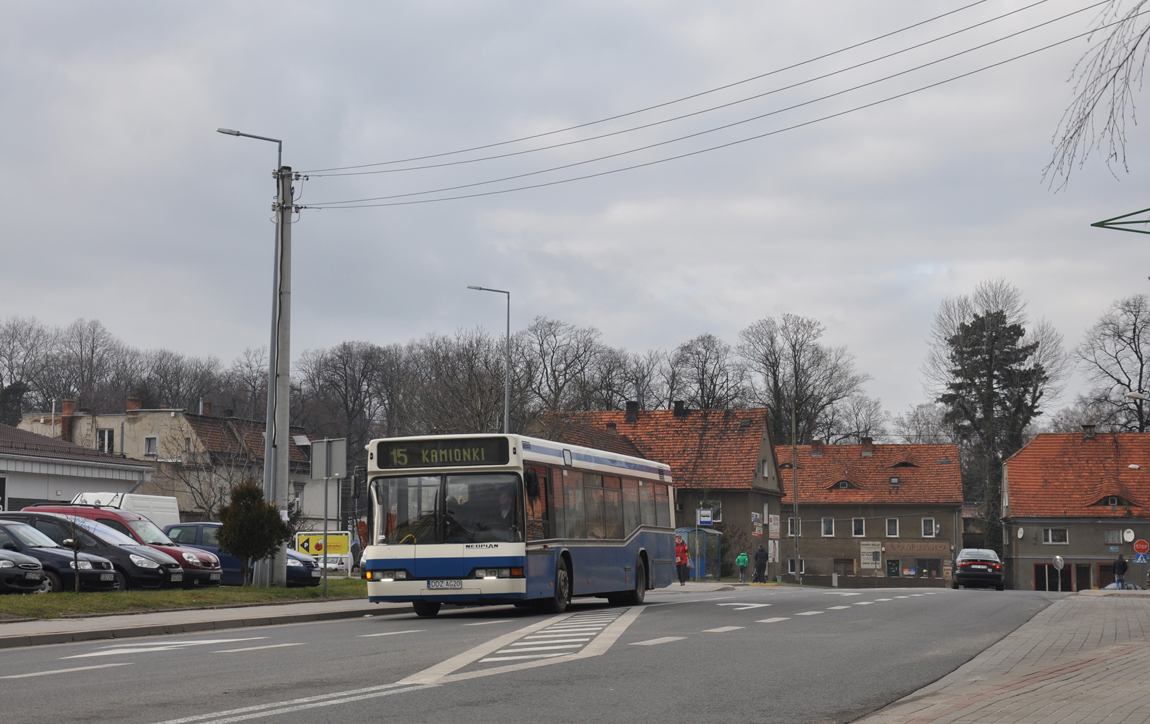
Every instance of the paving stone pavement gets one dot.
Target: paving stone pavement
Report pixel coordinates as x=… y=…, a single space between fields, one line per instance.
x=1083 y=659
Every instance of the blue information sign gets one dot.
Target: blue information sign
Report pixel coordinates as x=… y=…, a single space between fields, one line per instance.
x=1140 y=558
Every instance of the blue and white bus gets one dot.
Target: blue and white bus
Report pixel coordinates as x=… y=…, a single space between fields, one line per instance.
x=497 y=519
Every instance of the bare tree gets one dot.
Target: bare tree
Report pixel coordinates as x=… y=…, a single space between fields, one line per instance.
x=1106 y=78
x=1116 y=356
x=852 y=419
x=24 y=347
x=561 y=357
x=244 y=387
x=205 y=477
x=459 y=383
x=1084 y=411
x=711 y=377
x=924 y=424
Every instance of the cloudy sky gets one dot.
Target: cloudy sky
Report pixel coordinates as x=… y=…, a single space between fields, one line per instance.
x=121 y=202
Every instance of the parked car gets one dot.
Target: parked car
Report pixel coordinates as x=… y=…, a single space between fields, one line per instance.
x=19 y=573
x=59 y=565
x=978 y=567
x=302 y=569
x=1125 y=587
x=160 y=509
x=135 y=566
x=200 y=567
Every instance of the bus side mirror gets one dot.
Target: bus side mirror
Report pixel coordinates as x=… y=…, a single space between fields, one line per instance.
x=532 y=481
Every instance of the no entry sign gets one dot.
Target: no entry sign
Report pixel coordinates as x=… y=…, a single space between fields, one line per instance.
x=1141 y=546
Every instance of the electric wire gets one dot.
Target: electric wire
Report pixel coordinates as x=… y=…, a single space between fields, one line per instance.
x=702 y=111
x=365 y=202
x=658 y=105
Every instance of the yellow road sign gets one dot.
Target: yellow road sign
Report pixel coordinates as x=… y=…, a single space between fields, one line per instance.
x=311 y=543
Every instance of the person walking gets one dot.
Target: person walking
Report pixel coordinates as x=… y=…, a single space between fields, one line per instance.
x=760 y=565
x=741 y=562
x=682 y=559
x=1120 y=567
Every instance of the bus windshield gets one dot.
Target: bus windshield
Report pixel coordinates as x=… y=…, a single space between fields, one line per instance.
x=459 y=508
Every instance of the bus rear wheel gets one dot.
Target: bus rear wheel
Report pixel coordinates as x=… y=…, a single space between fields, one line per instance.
x=425 y=609
x=636 y=596
x=562 y=597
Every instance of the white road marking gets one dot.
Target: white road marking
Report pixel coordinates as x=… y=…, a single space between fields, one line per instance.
x=120 y=649
x=744 y=606
x=286 y=707
x=553 y=641
x=837 y=608
x=396 y=633
x=655 y=642
x=723 y=629
x=556 y=647
x=558 y=635
x=862 y=603
x=776 y=619
x=809 y=613
x=915 y=595
x=930 y=593
x=902 y=596
x=884 y=599
x=257 y=648
x=841 y=593
x=63 y=671
x=530 y=656
x=487 y=623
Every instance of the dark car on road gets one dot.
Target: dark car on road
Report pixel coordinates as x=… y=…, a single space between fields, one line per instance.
x=19 y=573
x=135 y=566
x=978 y=567
x=200 y=568
x=302 y=569
x=59 y=564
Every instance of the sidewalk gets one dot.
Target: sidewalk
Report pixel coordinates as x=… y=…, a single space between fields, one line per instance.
x=693 y=587
x=1083 y=659
x=65 y=630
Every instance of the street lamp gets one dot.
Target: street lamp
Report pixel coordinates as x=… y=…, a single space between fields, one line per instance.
x=507 y=364
x=279 y=373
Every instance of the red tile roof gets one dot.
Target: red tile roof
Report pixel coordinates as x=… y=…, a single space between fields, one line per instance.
x=561 y=428
x=1064 y=474
x=926 y=474
x=28 y=444
x=705 y=449
x=223 y=436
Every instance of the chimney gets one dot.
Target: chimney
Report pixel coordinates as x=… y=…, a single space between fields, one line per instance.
x=816 y=447
x=1087 y=430
x=611 y=427
x=867 y=446
x=67 y=410
x=680 y=409
x=131 y=405
x=163 y=407
x=229 y=413
x=632 y=415
x=207 y=409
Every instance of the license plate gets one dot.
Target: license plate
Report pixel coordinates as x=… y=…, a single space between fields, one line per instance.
x=214 y=577
x=177 y=576
x=980 y=568
x=32 y=575
x=316 y=574
x=107 y=576
x=457 y=583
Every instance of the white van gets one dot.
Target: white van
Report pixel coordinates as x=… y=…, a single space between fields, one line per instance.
x=162 y=510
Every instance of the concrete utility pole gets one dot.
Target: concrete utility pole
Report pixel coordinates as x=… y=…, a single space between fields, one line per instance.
x=795 y=486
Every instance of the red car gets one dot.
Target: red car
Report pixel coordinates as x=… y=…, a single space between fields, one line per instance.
x=201 y=568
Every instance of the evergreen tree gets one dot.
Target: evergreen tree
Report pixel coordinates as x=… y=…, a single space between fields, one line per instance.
x=252 y=528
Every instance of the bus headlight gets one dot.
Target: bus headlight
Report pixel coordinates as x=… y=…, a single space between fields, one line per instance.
x=505 y=573
x=400 y=575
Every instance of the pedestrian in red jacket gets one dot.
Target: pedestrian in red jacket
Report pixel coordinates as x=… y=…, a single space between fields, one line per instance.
x=682 y=559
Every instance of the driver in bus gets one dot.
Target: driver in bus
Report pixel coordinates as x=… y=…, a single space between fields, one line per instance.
x=506 y=518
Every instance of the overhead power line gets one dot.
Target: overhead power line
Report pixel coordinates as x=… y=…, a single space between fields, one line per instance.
x=692 y=114
x=369 y=201
x=657 y=105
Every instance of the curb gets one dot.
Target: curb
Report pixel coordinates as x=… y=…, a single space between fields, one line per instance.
x=10 y=642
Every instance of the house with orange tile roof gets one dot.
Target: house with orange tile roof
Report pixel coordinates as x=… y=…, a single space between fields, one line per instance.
x=721 y=460
x=1083 y=497
x=871 y=515
x=197 y=457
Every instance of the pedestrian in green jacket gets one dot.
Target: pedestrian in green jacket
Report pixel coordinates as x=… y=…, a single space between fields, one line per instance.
x=741 y=562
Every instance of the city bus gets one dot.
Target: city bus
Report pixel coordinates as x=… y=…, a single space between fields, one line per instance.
x=498 y=519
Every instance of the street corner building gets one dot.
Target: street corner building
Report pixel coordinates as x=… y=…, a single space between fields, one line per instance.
x=722 y=461
x=1079 y=496
x=871 y=515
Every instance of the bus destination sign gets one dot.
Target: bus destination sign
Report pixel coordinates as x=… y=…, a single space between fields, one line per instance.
x=442 y=453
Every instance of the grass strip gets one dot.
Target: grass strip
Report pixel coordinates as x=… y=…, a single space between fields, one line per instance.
x=57 y=605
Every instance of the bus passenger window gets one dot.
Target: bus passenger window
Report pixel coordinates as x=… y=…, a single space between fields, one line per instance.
x=537 y=513
x=555 y=496
x=631 y=516
x=613 y=513
x=594 y=498
x=647 y=503
x=662 y=507
x=573 y=505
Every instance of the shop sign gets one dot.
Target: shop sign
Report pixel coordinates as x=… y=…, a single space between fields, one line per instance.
x=870 y=555
x=773 y=526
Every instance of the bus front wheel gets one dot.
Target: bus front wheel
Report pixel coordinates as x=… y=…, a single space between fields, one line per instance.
x=562 y=598
x=425 y=609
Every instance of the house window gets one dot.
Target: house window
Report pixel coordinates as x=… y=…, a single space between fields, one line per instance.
x=151 y=446
x=858 y=527
x=828 y=527
x=1113 y=537
x=894 y=482
x=892 y=527
x=791 y=565
x=843 y=485
x=928 y=528
x=791 y=528
x=1055 y=536
x=106 y=441
x=1112 y=501
x=187 y=444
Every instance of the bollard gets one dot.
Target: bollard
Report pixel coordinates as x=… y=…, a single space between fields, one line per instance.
x=834 y=580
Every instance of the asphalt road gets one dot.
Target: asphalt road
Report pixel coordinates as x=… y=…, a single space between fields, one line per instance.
x=782 y=654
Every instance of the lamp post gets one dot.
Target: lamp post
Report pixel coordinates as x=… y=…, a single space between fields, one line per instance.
x=507 y=363
x=276 y=451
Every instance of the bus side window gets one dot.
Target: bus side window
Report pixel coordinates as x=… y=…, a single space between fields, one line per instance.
x=555 y=496
x=573 y=505
x=613 y=513
x=631 y=515
x=537 y=513
x=647 y=503
x=662 y=506
x=594 y=501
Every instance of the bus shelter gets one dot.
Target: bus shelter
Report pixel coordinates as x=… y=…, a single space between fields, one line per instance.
x=705 y=547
